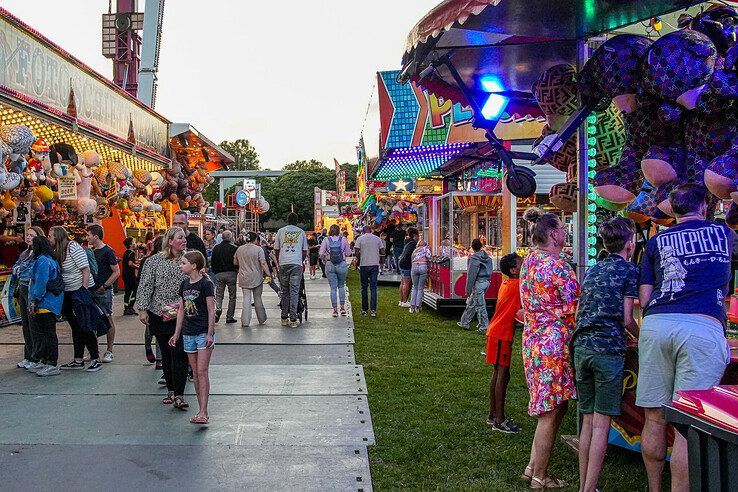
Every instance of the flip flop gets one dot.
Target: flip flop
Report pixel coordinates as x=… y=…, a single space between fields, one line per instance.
x=199 y=420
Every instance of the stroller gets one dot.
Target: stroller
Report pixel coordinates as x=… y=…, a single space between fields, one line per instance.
x=302 y=302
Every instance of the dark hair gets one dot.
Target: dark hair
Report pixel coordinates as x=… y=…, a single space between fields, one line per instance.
x=476 y=245
x=616 y=232
x=687 y=199
x=149 y=236
x=334 y=230
x=40 y=245
x=412 y=232
x=127 y=242
x=508 y=262
x=196 y=258
x=541 y=224
x=251 y=236
x=95 y=230
x=158 y=242
x=292 y=218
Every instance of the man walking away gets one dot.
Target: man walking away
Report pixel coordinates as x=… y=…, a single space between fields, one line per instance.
x=226 y=274
x=108 y=272
x=291 y=248
x=685 y=271
x=367 y=251
x=130 y=280
x=478 y=276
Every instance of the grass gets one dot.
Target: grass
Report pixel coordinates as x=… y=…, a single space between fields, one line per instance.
x=428 y=396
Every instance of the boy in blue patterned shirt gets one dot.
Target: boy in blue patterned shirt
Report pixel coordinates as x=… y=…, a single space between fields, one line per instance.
x=599 y=343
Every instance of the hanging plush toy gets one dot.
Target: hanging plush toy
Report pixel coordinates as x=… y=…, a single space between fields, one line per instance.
x=681 y=69
x=652 y=147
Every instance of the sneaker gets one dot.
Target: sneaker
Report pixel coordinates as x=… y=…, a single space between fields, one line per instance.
x=231 y=320
x=73 y=365
x=29 y=364
x=293 y=324
x=49 y=370
x=363 y=313
x=157 y=367
x=507 y=426
x=491 y=422
x=22 y=364
x=218 y=312
x=458 y=323
x=162 y=381
x=94 y=366
x=129 y=312
x=150 y=356
x=108 y=357
x=37 y=367
x=285 y=322
x=481 y=330
x=190 y=376
x=405 y=304
x=374 y=314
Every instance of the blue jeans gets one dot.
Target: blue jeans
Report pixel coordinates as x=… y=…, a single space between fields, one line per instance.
x=476 y=305
x=396 y=253
x=419 y=275
x=337 y=279
x=289 y=279
x=368 y=281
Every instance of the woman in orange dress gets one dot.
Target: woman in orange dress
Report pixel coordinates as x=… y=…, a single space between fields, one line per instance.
x=549 y=291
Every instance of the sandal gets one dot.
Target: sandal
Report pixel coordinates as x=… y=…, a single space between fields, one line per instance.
x=180 y=403
x=546 y=483
x=169 y=399
x=197 y=419
x=335 y=313
x=343 y=311
x=528 y=473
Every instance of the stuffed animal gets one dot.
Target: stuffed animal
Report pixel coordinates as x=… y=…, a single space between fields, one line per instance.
x=652 y=147
x=63 y=158
x=681 y=68
x=19 y=138
x=556 y=92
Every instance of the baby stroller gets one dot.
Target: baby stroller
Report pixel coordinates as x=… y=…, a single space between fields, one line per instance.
x=302 y=301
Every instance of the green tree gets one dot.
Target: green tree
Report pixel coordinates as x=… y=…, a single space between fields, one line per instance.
x=351 y=170
x=244 y=154
x=297 y=189
x=312 y=164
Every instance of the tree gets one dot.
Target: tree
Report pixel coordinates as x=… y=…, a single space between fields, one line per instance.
x=312 y=164
x=297 y=189
x=244 y=155
x=351 y=170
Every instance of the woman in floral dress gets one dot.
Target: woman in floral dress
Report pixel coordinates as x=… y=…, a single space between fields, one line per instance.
x=549 y=291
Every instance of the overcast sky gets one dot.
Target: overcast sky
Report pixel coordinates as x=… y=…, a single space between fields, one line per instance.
x=292 y=76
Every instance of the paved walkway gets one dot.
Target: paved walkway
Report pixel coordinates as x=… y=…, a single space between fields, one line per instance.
x=288 y=410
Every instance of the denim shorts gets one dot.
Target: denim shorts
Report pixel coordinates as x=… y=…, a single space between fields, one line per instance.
x=599 y=381
x=104 y=301
x=405 y=273
x=678 y=352
x=193 y=343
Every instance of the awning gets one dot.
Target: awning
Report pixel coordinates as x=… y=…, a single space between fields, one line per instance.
x=185 y=139
x=486 y=201
x=515 y=40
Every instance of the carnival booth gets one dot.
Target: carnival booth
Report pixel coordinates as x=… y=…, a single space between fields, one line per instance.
x=621 y=153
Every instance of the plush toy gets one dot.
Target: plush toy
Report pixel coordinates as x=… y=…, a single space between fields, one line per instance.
x=63 y=158
x=652 y=147
x=40 y=163
x=556 y=92
x=19 y=138
x=718 y=22
x=681 y=69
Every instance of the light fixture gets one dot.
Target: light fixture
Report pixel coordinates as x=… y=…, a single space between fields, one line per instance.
x=496 y=103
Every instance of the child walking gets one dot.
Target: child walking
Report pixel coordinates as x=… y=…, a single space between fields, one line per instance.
x=499 y=343
x=196 y=324
x=599 y=343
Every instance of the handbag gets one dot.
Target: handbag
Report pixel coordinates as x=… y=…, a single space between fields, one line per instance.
x=169 y=311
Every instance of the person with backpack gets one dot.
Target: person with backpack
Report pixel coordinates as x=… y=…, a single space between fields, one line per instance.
x=333 y=251
x=45 y=297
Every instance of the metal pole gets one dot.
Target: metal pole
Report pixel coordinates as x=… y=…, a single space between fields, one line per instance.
x=580 y=254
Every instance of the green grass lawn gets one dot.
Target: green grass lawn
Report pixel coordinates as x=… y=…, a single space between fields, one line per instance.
x=428 y=395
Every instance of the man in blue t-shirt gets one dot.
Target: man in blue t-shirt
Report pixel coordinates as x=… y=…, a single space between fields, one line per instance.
x=685 y=271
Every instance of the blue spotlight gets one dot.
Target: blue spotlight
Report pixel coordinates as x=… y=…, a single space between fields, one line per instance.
x=496 y=103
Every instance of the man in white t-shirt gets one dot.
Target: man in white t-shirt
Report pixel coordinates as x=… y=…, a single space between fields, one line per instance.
x=291 y=248
x=368 y=249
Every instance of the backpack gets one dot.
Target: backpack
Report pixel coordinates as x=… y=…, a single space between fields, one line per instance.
x=92 y=261
x=336 y=250
x=55 y=286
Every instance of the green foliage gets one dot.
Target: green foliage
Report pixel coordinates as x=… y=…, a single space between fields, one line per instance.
x=312 y=164
x=244 y=154
x=296 y=188
x=351 y=170
x=428 y=396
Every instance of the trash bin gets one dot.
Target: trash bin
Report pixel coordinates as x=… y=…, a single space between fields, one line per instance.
x=708 y=419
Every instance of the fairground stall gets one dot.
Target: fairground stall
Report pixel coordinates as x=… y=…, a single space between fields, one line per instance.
x=329 y=209
x=487 y=54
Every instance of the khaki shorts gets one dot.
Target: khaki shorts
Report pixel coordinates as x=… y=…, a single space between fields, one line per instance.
x=678 y=352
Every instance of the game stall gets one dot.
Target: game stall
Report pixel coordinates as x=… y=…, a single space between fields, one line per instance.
x=618 y=157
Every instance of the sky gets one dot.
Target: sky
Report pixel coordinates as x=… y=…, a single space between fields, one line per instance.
x=293 y=77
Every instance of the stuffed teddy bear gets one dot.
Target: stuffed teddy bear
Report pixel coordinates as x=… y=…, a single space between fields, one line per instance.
x=681 y=69
x=652 y=148
x=556 y=92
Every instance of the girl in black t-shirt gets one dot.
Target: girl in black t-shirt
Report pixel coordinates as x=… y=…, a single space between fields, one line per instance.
x=196 y=324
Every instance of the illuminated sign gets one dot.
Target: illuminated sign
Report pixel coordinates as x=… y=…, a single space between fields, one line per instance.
x=242 y=198
x=31 y=67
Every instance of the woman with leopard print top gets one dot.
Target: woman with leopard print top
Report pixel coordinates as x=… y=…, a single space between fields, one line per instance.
x=158 y=286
